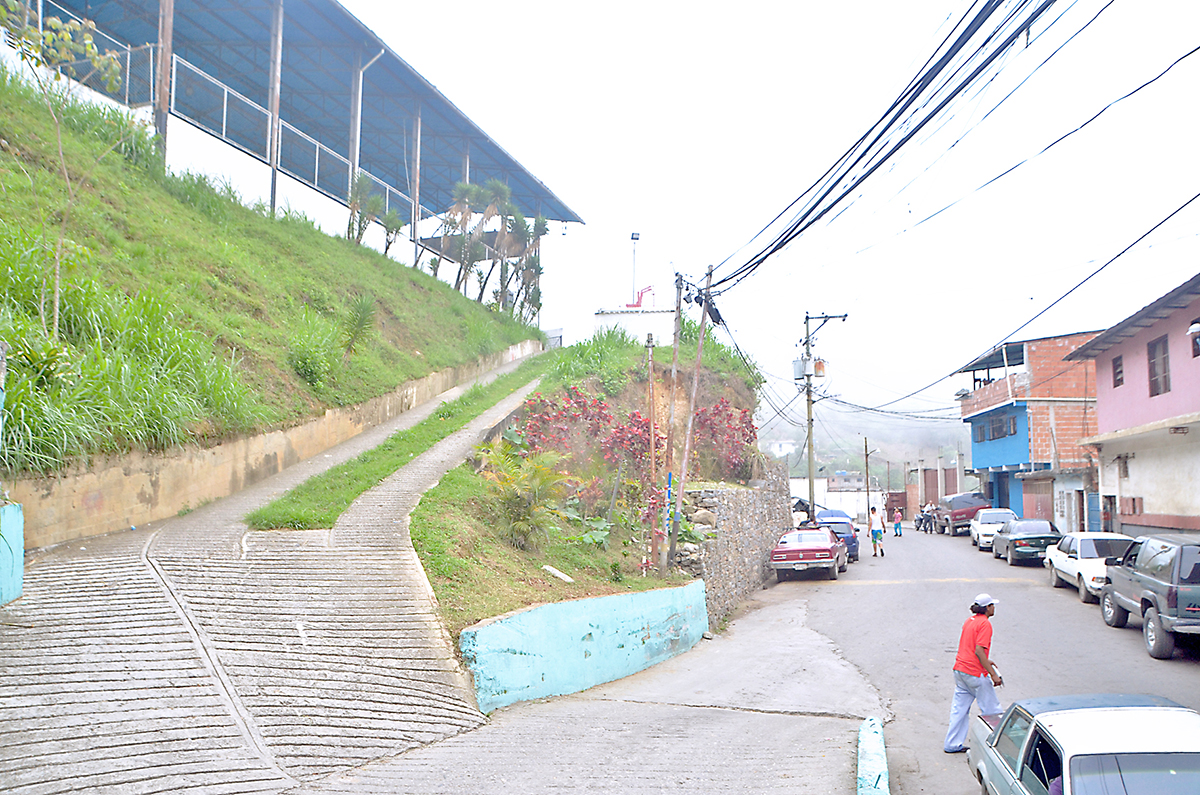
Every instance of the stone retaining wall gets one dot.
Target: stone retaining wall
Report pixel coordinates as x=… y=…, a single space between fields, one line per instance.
x=749 y=523
x=118 y=492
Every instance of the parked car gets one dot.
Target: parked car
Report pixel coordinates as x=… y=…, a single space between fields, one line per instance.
x=1087 y=745
x=1024 y=539
x=1158 y=578
x=809 y=548
x=955 y=511
x=985 y=523
x=849 y=535
x=1079 y=561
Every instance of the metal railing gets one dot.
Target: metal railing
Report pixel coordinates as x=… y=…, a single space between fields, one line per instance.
x=136 y=84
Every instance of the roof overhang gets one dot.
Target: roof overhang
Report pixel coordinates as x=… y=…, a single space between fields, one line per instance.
x=1189 y=422
x=1179 y=298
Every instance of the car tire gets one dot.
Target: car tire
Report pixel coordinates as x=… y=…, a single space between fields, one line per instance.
x=833 y=571
x=1085 y=596
x=1055 y=580
x=845 y=564
x=1160 y=643
x=974 y=543
x=1113 y=614
x=1012 y=560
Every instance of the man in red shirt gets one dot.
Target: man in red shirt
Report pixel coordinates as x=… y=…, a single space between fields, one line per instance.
x=975 y=675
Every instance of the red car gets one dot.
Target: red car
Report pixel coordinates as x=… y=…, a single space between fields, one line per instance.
x=809 y=548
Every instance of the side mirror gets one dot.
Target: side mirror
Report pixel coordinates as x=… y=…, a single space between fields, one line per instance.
x=1112 y=561
x=1073 y=555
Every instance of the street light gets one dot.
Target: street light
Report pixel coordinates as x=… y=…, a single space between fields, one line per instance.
x=633 y=295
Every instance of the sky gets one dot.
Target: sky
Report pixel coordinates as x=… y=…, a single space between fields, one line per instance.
x=694 y=124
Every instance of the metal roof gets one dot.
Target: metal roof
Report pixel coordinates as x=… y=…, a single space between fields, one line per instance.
x=994 y=359
x=323 y=47
x=1179 y=298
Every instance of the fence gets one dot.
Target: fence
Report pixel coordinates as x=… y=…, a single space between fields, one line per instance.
x=135 y=86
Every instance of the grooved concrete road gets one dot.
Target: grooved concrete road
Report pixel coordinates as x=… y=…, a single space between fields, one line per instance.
x=199 y=657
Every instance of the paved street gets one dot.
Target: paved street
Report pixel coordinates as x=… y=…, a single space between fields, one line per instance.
x=897 y=619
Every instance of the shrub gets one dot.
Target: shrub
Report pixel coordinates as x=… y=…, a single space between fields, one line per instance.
x=313 y=349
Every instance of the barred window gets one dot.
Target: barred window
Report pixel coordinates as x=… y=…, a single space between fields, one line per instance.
x=1118 y=371
x=1160 y=367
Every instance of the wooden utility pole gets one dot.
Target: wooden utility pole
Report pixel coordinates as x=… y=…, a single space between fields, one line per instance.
x=661 y=561
x=687 y=438
x=653 y=448
x=162 y=78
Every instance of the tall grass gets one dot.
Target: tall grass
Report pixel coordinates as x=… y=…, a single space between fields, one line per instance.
x=608 y=356
x=121 y=375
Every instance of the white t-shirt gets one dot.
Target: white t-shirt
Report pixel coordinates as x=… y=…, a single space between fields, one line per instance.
x=876 y=522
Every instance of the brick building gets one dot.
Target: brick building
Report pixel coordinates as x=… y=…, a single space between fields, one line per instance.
x=1028 y=410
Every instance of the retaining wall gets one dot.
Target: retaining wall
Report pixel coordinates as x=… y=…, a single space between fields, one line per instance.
x=749 y=523
x=566 y=647
x=118 y=492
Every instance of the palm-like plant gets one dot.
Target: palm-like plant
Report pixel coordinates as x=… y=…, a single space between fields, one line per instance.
x=530 y=489
x=393 y=224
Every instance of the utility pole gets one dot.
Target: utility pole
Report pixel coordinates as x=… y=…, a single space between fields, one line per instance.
x=867 y=479
x=653 y=451
x=672 y=482
x=687 y=439
x=807 y=369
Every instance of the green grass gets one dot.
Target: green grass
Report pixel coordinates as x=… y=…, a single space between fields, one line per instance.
x=252 y=287
x=477 y=574
x=320 y=500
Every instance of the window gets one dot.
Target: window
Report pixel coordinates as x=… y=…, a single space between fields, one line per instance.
x=979 y=433
x=1012 y=737
x=1043 y=765
x=1160 y=367
x=1002 y=426
x=1157 y=559
x=1012 y=425
x=1195 y=338
x=1118 y=371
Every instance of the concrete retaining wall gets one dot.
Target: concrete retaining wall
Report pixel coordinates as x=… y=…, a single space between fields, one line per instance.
x=115 y=493
x=560 y=648
x=749 y=523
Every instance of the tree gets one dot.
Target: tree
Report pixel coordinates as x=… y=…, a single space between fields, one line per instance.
x=500 y=206
x=59 y=50
x=393 y=224
x=364 y=206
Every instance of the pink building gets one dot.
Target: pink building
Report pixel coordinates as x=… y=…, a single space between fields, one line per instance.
x=1148 y=412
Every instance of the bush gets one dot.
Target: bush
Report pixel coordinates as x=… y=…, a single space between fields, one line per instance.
x=313 y=349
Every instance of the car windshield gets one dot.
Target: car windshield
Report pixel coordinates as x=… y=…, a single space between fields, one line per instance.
x=1033 y=526
x=1189 y=568
x=1135 y=774
x=994 y=517
x=1103 y=547
x=810 y=537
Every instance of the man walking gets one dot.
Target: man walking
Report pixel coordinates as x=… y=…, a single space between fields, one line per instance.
x=975 y=675
x=875 y=527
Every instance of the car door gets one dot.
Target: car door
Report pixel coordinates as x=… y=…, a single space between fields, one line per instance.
x=1008 y=746
x=1000 y=539
x=1070 y=561
x=1154 y=569
x=1041 y=764
x=1121 y=577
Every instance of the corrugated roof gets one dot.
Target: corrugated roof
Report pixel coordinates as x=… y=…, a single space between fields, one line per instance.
x=1179 y=298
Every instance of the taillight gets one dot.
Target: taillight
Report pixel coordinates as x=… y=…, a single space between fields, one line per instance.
x=1173 y=598
x=1021 y=542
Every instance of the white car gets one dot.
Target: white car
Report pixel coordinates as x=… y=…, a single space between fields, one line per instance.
x=1078 y=561
x=985 y=524
x=1087 y=745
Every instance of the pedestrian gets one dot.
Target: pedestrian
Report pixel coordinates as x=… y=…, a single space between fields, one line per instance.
x=896 y=516
x=875 y=526
x=975 y=675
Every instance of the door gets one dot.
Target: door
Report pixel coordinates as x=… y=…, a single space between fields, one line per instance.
x=1093 y=512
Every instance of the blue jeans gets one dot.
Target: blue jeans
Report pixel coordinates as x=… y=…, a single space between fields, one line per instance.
x=967 y=689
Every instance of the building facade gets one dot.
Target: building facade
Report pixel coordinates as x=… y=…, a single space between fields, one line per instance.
x=1028 y=410
x=1148 y=406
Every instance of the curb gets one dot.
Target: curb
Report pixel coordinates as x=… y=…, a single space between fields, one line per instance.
x=872 y=759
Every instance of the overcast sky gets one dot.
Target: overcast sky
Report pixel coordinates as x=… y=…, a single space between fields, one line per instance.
x=695 y=123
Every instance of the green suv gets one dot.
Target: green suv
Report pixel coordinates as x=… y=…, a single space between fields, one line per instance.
x=1158 y=578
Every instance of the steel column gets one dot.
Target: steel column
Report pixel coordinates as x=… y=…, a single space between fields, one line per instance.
x=276 y=79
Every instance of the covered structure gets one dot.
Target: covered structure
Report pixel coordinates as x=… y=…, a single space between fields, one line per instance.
x=306 y=88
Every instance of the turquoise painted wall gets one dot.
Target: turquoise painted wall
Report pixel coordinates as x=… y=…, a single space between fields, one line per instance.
x=12 y=552
x=561 y=648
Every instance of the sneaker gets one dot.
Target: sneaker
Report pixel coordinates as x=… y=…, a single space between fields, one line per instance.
x=881 y=552
x=959 y=750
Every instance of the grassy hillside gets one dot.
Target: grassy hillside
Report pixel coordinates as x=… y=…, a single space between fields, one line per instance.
x=272 y=297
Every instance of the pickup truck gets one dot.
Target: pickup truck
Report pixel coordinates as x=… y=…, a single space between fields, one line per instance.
x=1087 y=745
x=1158 y=579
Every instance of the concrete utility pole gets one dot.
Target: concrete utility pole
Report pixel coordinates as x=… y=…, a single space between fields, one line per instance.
x=653 y=450
x=808 y=370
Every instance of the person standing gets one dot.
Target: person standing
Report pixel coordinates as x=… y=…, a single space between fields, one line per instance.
x=896 y=517
x=975 y=675
x=875 y=526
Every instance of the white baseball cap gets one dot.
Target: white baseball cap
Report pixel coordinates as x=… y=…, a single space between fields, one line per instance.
x=983 y=600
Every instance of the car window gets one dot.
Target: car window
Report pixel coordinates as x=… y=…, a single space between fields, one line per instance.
x=1012 y=737
x=1042 y=765
x=1102 y=547
x=1189 y=566
x=993 y=517
x=1131 y=553
x=1064 y=546
x=1157 y=559
x=841 y=527
x=1135 y=774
